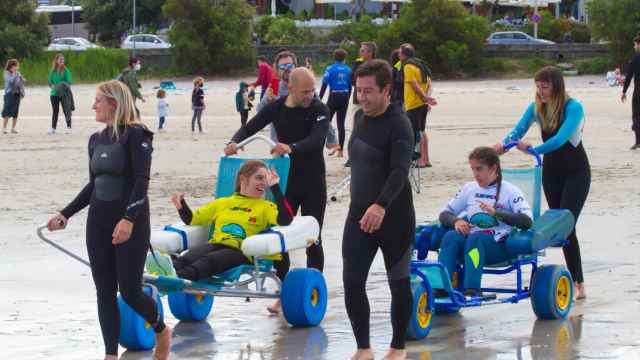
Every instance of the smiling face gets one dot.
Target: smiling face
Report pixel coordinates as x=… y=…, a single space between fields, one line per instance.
x=483 y=173
x=373 y=100
x=284 y=67
x=256 y=184
x=60 y=61
x=544 y=91
x=104 y=109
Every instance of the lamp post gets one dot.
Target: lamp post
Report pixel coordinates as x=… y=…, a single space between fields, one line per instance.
x=134 y=27
x=73 y=19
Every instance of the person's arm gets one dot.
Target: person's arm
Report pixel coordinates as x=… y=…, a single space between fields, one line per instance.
x=449 y=215
x=186 y=215
x=67 y=76
x=522 y=127
x=84 y=197
x=323 y=88
x=325 y=81
x=572 y=121
x=399 y=161
x=519 y=220
x=257 y=123
x=285 y=213
x=50 y=80
x=448 y=219
x=317 y=136
x=134 y=85
x=629 y=75
x=239 y=100
x=140 y=149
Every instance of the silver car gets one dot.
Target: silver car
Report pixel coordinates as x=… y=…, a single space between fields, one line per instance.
x=71 y=43
x=144 y=41
x=515 y=38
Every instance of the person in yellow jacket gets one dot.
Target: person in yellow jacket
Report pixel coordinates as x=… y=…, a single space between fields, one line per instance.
x=236 y=217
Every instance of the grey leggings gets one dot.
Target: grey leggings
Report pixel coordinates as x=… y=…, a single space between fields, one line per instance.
x=197 y=115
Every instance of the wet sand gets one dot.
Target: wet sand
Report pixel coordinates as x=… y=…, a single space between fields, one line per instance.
x=47 y=307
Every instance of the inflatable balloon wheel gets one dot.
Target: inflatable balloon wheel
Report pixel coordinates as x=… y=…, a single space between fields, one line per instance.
x=423 y=310
x=189 y=307
x=304 y=297
x=551 y=292
x=135 y=332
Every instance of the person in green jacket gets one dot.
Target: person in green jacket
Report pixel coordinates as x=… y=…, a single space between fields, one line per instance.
x=129 y=77
x=59 y=74
x=243 y=104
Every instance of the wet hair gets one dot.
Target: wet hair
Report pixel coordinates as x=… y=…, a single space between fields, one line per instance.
x=407 y=50
x=11 y=63
x=284 y=54
x=133 y=60
x=394 y=57
x=371 y=46
x=489 y=156
x=551 y=112
x=340 y=54
x=198 y=81
x=247 y=170
x=262 y=58
x=378 y=68
x=54 y=64
x=119 y=95
x=161 y=94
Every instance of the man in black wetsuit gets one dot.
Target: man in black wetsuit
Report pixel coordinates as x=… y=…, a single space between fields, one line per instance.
x=301 y=121
x=634 y=72
x=381 y=213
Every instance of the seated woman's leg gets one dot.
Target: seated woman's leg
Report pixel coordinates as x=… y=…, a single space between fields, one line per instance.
x=191 y=256
x=481 y=249
x=451 y=250
x=217 y=260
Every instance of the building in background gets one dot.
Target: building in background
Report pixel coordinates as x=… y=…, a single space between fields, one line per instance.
x=65 y=21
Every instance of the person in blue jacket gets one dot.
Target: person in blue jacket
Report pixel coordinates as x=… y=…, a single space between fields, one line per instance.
x=337 y=77
x=566 y=174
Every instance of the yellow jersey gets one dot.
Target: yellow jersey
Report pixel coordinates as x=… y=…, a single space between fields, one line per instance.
x=235 y=218
x=411 y=99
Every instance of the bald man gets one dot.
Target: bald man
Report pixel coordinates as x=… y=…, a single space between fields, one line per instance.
x=301 y=121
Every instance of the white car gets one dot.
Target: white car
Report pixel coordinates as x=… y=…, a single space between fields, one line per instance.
x=71 y=43
x=144 y=41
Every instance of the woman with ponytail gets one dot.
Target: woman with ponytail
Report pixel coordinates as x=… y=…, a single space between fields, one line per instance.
x=566 y=174
x=481 y=215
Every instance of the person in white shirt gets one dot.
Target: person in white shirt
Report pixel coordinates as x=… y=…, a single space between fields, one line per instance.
x=481 y=215
x=162 y=109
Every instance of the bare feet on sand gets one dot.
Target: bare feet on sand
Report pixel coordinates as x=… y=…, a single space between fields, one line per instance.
x=395 y=354
x=163 y=345
x=363 y=354
x=275 y=308
x=579 y=292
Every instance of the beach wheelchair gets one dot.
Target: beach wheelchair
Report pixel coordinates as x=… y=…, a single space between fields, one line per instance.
x=303 y=293
x=550 y=287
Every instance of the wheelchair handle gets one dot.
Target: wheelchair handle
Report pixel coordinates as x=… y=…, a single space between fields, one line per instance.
x=530 y=151
x=253 y=138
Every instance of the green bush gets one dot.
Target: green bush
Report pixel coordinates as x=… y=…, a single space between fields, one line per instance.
x=262 y=25
x=532 y=65
x=23 y=33
x=283 y=31
x=211 y=37
x=595 y=66
x=617 y=22
x=357 y=32
x=492 y=66
x=581 y=33
x=93 y=65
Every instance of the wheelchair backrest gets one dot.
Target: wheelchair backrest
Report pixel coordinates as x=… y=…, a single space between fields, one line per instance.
x=528 y=180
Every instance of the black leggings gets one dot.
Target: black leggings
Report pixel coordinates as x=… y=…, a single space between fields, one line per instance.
x=568 y=190
x=312 y=202
x=358 y=251
x=55 y=105
x=197 y=115
x=244 y=115
x=201 y=262
x=120 y=267
x=338 y=104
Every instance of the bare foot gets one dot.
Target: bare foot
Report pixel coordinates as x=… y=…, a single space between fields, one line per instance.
x=110 y=357
x=395 y=354
x=339 y=154
x=163 y=345
x=363 y=354
x=275 y=308
x=333 y=149
x=579 y=291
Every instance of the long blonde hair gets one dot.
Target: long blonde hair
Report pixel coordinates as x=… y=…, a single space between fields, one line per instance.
x=125 y=113
x=54 y=64
x=551 y=112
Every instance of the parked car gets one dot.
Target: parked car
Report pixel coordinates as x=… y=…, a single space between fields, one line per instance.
x=71 y=43
x=144 y=41
x=515 y=38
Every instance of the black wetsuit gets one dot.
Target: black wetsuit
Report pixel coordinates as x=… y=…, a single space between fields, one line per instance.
x=210 y=259
x=566 y=178
x=381 y=150
x=305 y=131
x=634 y=72
x=117 y=189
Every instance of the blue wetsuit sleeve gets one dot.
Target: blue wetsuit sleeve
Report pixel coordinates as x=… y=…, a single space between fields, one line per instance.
x=572 y=120
x=318 y=133
x=257 y=123
x=84 y=197
x=140 y=150
x=399 y=162
x=522 y=127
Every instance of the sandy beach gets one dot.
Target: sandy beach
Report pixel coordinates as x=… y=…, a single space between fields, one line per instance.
x=47 y=302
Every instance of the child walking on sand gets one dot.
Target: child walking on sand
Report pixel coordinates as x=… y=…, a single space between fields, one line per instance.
x=162 y=109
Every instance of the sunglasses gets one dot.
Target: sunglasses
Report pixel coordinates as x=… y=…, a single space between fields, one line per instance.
x=288 y=66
